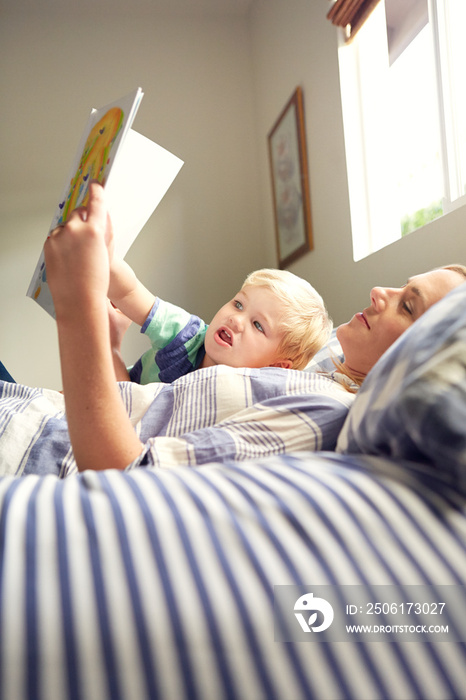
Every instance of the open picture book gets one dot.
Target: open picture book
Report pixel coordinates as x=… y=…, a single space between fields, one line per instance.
x=135 y=172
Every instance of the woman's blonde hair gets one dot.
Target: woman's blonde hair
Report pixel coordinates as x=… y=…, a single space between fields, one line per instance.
x=304 y=322
x=460 y=269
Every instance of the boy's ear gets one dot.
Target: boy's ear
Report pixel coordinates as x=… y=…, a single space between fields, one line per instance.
x=284 y=364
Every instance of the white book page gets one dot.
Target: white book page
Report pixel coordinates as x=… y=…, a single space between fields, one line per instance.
x=143 y=175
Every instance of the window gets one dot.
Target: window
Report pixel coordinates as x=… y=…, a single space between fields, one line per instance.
x=404 y=112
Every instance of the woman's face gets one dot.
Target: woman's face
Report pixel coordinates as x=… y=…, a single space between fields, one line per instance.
x=370 y=332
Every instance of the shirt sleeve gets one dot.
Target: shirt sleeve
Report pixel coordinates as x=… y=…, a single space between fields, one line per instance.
x=177 y=340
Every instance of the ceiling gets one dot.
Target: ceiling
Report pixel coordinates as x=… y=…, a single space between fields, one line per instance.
x=127 y=7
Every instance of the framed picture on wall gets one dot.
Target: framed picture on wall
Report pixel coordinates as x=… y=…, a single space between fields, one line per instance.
x=290 y=182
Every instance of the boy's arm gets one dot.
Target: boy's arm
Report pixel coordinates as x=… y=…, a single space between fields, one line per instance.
x=128 y=293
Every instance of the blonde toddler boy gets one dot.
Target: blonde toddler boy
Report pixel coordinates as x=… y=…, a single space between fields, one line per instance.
x=277 y=319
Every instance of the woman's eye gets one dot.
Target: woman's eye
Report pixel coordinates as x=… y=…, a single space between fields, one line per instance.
x=407 y=308
x=258 y=326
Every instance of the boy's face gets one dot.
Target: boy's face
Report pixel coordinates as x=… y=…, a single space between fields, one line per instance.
x=245 y=332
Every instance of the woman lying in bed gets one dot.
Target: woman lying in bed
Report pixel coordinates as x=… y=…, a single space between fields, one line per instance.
x=216 y=413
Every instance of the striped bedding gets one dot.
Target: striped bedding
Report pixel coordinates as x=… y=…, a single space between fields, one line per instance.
x=163 y=583
x=160 y=583
x=213 y=414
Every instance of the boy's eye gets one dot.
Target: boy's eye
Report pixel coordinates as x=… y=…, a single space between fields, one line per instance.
x=238 y=304
x=258 y=326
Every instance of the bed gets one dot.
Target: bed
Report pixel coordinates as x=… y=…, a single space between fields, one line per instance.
x=236 y=578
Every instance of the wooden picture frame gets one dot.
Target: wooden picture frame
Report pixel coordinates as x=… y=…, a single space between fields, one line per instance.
x=290 y=182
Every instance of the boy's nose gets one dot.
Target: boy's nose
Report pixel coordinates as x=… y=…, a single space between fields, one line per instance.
x=236 y=322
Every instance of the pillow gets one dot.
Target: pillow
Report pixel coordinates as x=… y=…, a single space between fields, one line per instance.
x=412 y=405
x=323 y=361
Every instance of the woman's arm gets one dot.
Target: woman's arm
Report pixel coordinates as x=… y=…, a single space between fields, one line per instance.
x=77 y=260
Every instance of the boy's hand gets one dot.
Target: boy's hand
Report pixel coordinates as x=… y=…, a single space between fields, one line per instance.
x=119 y=324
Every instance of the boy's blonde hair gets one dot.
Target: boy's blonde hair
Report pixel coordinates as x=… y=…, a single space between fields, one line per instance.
x=304 y=322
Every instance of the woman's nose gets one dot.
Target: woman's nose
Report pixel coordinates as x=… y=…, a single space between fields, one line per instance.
x=380 y=297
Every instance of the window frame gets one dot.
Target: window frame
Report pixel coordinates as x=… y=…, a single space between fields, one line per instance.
x=366 y=221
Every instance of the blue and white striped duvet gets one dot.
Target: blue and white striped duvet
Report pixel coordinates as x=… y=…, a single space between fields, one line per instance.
x=213 y=414
x=159 y=583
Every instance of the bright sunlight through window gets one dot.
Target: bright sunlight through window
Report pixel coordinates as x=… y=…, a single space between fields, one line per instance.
x=404 y=111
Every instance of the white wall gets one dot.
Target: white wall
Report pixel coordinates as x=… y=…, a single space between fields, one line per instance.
x=294 y=44
x=196 y=73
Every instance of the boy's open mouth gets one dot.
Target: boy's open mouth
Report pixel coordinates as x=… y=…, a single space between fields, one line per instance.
x=225 y=337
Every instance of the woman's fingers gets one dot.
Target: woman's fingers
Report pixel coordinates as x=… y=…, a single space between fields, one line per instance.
x=96 y=207
x=95 y=214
